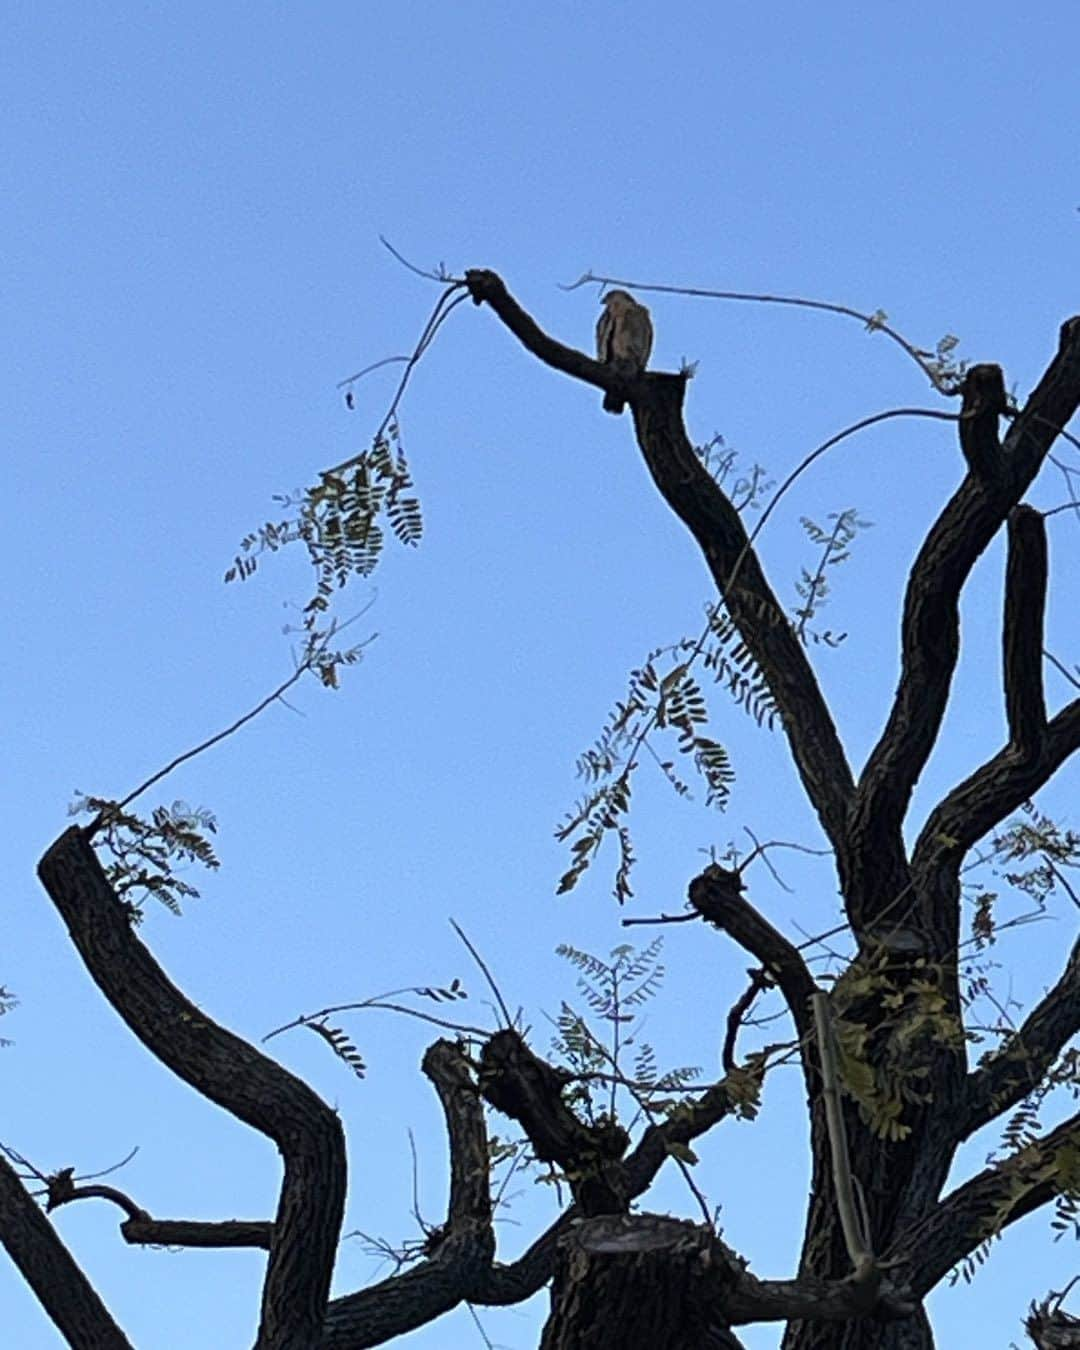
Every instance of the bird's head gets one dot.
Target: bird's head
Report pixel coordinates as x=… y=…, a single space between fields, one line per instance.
x=616 y=299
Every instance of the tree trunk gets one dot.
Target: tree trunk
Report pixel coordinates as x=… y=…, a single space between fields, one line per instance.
x=640 y=1282
x=911 y=1334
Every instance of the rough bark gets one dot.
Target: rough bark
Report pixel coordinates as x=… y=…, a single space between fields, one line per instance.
x=622 y=1281
x=640 y=1284
x=51 y=1272
x=904 y=912
x=231 y=1073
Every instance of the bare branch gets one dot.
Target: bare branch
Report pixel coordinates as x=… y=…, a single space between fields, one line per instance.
x=51 y=1272
x=484 y=971
x=1022 y=629
x=470 y=1199
x=141 y=1229
x=930 y=627
x=147 y=1231
x=985 y=401
x=229 y=1072
x=1019 y=1065
x=874 y=323
x=488 y=288
x=716 y=896
x=987 y=1204
x=278 y=694
x=992 y=792
x=461 y=1251
x=759 y=980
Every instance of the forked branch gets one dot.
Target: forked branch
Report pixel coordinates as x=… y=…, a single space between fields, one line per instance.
x=717 y=896
x=930 y=627
x=51 y=1271
x=228 y=1071
x=983 y=1207
x=699 y=501
x=1014 y=1070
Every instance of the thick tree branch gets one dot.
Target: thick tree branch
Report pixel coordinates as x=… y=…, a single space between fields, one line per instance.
x=488 y=288
x=1019 y=1065
x=988 y=1203
x=992 y=792
x=985 y=402
x=695 y=497
x=461 y=1252
x=152 y=1232
x=51 y=1272
x=930 y=626
x=1022 y=629
x=448 y=1069
x=515 y=1281
x=716 y=895
x=227 y=1071
x=141 y=1229
x=528 y=1090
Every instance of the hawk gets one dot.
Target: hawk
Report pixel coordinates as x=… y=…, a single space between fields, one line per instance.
x=624 y=339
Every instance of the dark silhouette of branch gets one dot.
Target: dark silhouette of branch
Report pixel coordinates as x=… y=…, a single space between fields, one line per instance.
x=985 y=401
x=461 y=1252
x=759 y=980
x=528 y=1090
x=140 y=1228
x=500 y=1001
x=691 y=492
x=717 y=896
x=228 y=1071
x=1022 y=629
x=930 y=627
x=992 y=792
x=152 y=1232
x=992 y=1200
x=1017 y=1066
x=51 y=1272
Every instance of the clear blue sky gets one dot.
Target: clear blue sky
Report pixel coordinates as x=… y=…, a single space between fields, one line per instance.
x=190 y=258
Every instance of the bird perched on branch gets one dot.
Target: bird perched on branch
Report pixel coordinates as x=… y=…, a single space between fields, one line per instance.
x=624 y=340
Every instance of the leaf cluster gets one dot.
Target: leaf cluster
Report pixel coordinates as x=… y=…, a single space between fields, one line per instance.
x=340 y=520
x=140 y=856
x=835 y=543
x=595 y=1044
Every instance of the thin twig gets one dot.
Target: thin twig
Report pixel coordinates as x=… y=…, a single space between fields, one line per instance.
x=441 y=275
x=379 y=1004
x=1064 y=883
x=661 y=918
x=375 y=365
x=873 y=322
x=93 y=1176
x=1062 y=668
x=442 y=309
x=305 y=665
x=484 y=971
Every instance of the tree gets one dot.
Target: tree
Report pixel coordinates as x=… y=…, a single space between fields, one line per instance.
x=883 y=1050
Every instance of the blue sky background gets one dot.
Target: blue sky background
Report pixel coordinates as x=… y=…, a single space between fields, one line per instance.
x=190 y=260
